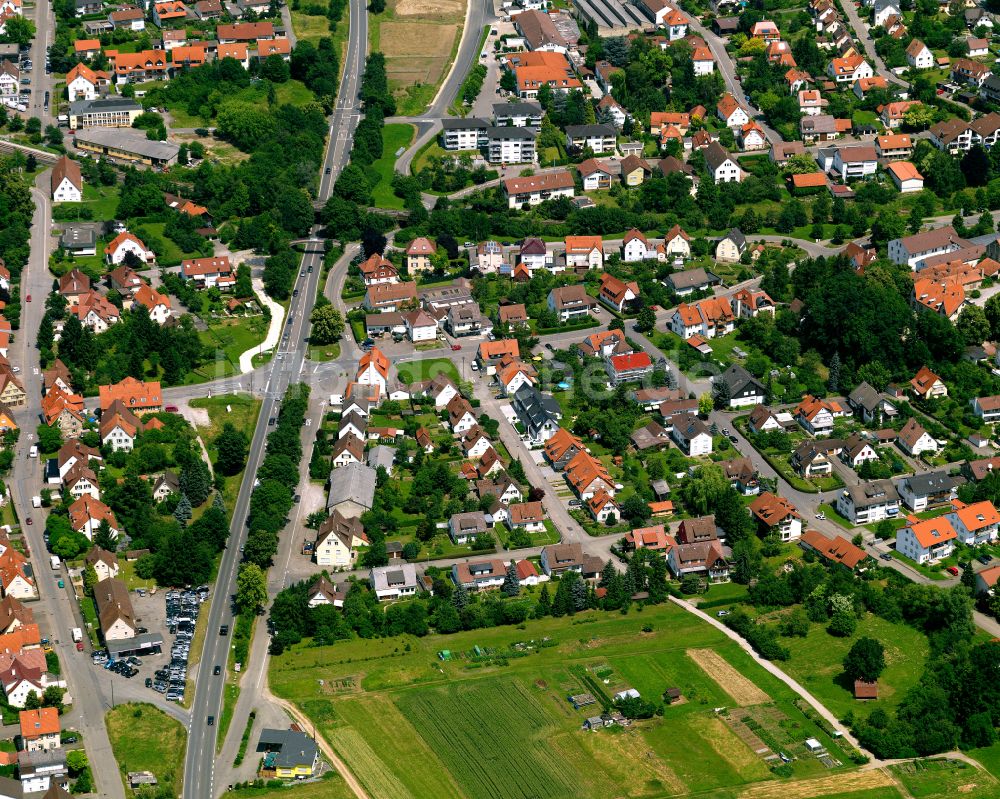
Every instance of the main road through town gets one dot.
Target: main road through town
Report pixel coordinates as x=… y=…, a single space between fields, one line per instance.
x=284 y=369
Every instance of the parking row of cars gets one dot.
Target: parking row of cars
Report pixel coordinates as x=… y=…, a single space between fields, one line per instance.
x=127 y=667
x=182 y=614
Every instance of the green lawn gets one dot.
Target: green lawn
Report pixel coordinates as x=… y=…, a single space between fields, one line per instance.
x=412 y=725
x=330 y=786
x=101 y=200
x=240 y=411
x=817 y=662
x=943 y=779
x=325 y=352
x=393 y=137
x=413 y=371
x=230 y=338
x=144 y=738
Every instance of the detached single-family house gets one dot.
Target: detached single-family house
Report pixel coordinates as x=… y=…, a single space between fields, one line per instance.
x=777 y=515
x=926 y=541
x=914 y=440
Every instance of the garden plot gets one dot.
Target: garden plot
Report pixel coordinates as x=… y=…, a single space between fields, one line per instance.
x=742 y=690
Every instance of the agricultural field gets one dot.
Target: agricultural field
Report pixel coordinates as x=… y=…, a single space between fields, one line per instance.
x=941 y=779
x=495 y=722
x=419 y=39
x=330 y=786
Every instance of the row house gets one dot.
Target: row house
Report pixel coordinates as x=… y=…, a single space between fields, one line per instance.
x=926 y=541
x=535 y=189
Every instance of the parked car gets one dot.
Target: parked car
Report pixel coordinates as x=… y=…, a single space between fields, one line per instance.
x=984 y=559
x=886 y=556
x=953 y=570
x=455 y=348
x=722 y=613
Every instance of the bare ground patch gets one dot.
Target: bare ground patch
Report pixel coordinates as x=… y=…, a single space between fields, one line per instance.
x=430 y=8
x=742 y=690
x=821 y=786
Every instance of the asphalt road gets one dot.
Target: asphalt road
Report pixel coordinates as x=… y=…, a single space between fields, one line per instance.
x=284 y=369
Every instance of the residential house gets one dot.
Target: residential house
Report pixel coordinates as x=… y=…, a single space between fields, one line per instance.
x=857 y=451
x=777 y=516
x=626 y=368
x=390 y=297
x=597 y=138
x=40 y=729
x=905 y=176
x=893 y=146
x=377 y=270
x=915 y=250
x=914 y=440
x=872 y=406
x=595 y=175
x=836 y=549
x=731 y=247
x=527 y=516
x=561 y=448
x=691 y=435
x=394 y=582
x=849 y=69
x=104 y=563
x=584 y=252
x=66 y=181
x=558 y=559
x=974 y=524
x=114 y=610
x=464 y=528
x=816 y=415
x=703 y=560
x=460 y=416
x=216 y=271
x=586 y=475
x=570 y=302
x=868 y=502
x=126 y=245
x=337 y=541
x=732 y=114
x=750 y=302
x=926 y=541
x=919 y=56
x=536 y=189
x=479 y=575
x=744 y=389
x=987 y=408
x=137 y=396
x=925 y=490
x=691 y=280
x=721 y=166
x=538 y=413
x=618 y=294
x=419 y=253
x=926 y=385
x=856 y=161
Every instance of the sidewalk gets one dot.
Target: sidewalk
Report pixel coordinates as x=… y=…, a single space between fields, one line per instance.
x=273 y=332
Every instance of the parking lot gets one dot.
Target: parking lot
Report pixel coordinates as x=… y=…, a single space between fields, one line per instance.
x=171 y=614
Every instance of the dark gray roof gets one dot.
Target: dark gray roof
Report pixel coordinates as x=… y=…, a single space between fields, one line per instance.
x=516 y=109
x=291 y=748
x=510 y=132
x=865 y=396
x=78 y=236
x=688 y=426
x=103 y=104
x=874 y=492
x=736 y=237
x=692 y=278
x=738 y=378
x=585 y=131
x=932 y=482
x=716 y=155
x=462 y=124
x=533 y=407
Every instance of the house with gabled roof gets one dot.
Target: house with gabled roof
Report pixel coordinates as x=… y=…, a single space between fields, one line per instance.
x=926 y=541
x=927 y=385
x=777 y=515
x=617 y=294
x=976 y=523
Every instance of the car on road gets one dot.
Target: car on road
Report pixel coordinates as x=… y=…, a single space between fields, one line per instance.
x=224 y=629
x=171 y=409
x=211 y=721
x=295 y=293
x=455 y=347
x=309 y=270
x=821 y=516
x=217 y=671
x=29 y=520
x=733 y=439
x=725 y=431
x=549 y=348
x=79 y=646
x=302 y=273
x=953 y=570
x=574 y=503
x=327 y=172
x=28 y=298
x=270 y=422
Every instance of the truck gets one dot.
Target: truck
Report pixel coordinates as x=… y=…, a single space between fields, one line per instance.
x=54 y=560
x=77 y=635
x=36 y=502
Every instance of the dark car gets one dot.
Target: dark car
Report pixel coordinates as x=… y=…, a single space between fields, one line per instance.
x=149 y=682
x=886 y=556
x=224 y=629
x=984 y=559
x=217 y=671
x=327 y=171
x=70 y=739
x=211 y=721
x=270 y=422
x=733 y=439
x=29 y=520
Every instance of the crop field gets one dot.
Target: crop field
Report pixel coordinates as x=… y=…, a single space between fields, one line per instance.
x=834 y=785
x=497 y=724
x=742 y=690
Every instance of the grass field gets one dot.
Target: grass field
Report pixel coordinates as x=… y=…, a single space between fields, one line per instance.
x=230 y=338
x=331 y=786
x=102 y=200
x=499 y=725
x=941 y=779
x=817 y=663
x=419 y=39
x=240 y=411
x=393 y=137
x=412 y=371
x=145 y=738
